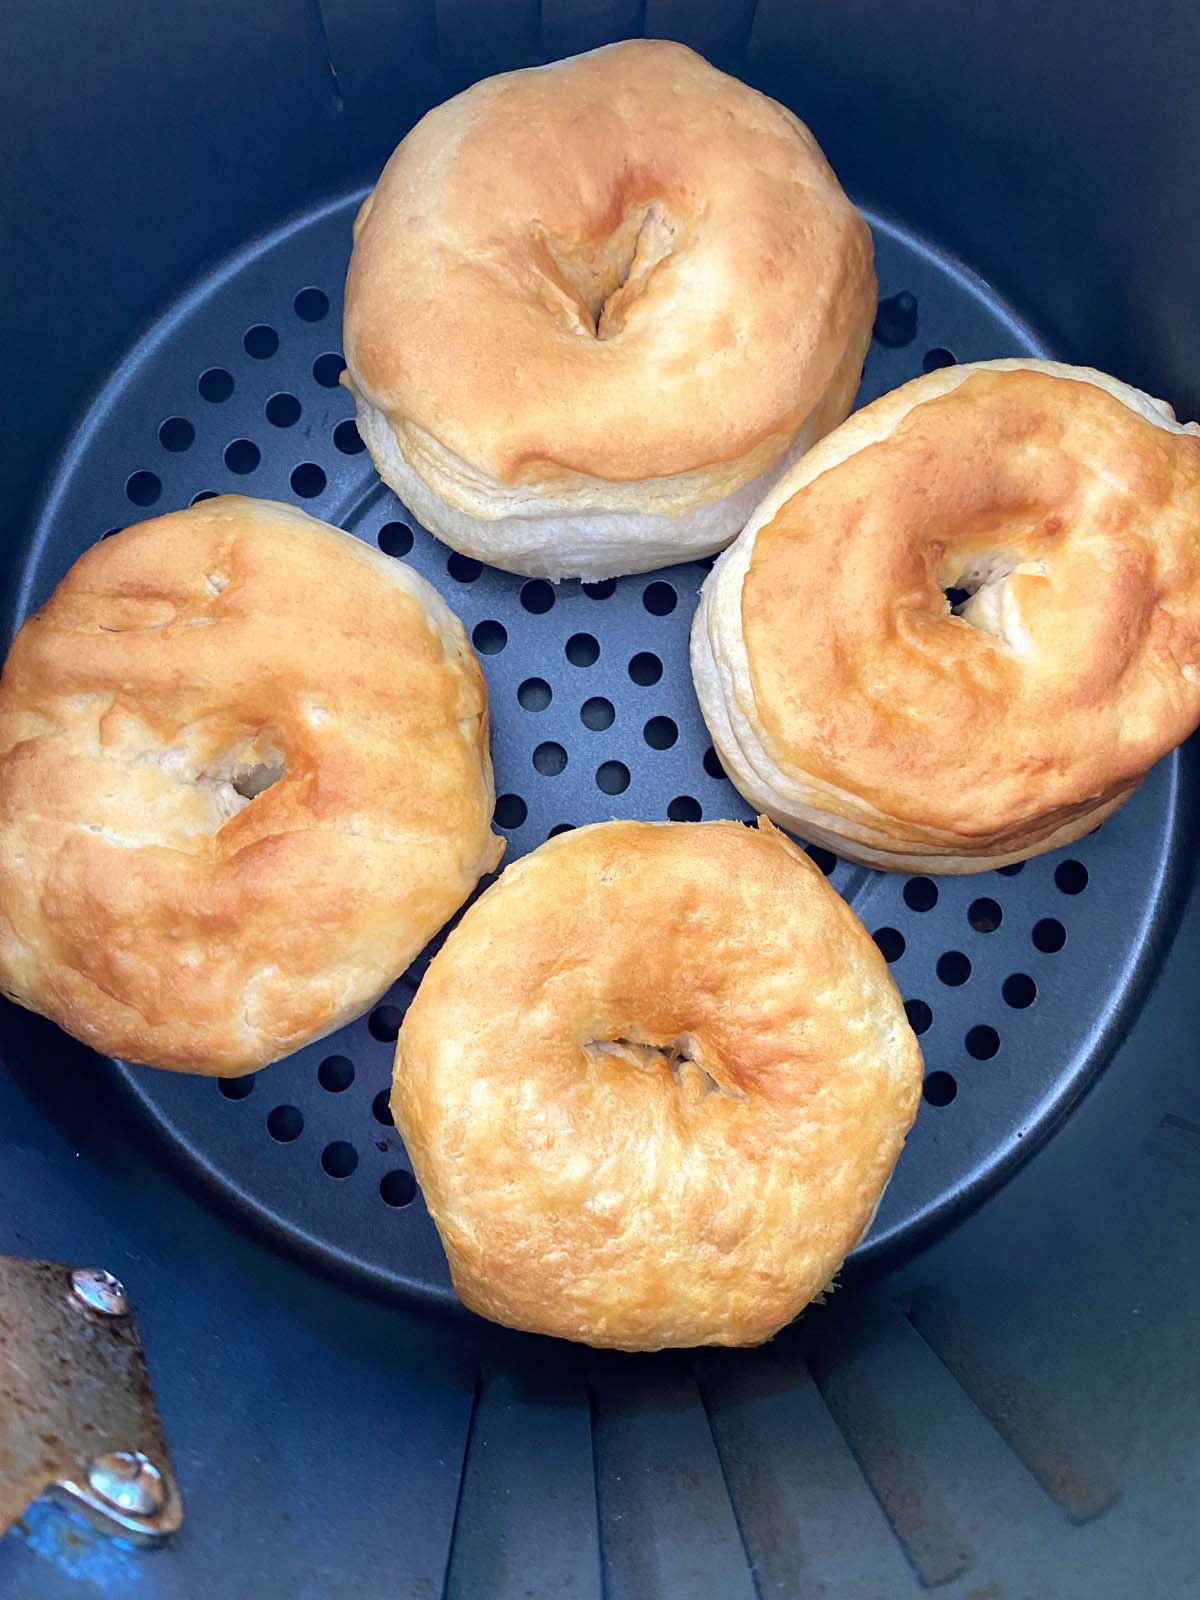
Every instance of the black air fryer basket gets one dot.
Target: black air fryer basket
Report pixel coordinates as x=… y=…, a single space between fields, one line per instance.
x=1002 y=1401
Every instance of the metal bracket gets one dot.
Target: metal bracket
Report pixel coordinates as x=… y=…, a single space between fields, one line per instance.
x=77 y=1414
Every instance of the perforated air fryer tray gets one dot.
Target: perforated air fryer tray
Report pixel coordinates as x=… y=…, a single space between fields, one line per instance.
x=594 y=717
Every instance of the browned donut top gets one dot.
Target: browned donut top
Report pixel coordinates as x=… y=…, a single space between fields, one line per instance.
x=653 y=1085
x=626 y=264
x=151 y=900
x=1073 y=523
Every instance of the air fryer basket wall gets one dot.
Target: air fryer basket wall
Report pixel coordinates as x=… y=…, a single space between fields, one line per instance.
x=1007 y=1408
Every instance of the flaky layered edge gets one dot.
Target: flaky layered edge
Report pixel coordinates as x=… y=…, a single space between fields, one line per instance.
x=578 y=526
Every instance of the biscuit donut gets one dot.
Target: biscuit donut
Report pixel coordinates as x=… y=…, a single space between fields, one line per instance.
x=653 y=1086
x=244 y=777
x=593 y=309
x=965 y=626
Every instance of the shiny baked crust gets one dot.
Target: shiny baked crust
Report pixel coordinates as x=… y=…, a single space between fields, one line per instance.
x=848 y=701
x=147 y=905
x=591 y=302
x=653 y=1086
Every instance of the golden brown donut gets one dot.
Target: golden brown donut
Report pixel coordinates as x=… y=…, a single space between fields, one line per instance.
x=653 y=1086
x=594 y=307
x=851 y=701
x=244 y=777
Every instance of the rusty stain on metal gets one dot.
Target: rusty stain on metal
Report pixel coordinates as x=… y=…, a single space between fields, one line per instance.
x=73 y=1390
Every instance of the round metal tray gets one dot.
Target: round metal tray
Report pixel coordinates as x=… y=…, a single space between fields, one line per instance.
x=1015 y=981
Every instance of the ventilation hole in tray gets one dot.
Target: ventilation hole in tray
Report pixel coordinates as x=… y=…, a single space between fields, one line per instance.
x=939 y=1088
x=612 y=777
x=820 y=857
x=1012 y=870
x=398 y=1188
x=939 y=356
x=685 y=809
x=597 y=713
x=339 y=1159
x=919 y=1014
x=560 y=827
x=660 y=599
x=143 y=488
x=308 y=480
x=1049 y=935
x=395 y=539
x=583 y=650
x=1071 y=877
x=205 y=494
x=985 y=915
x=982 y=1042
x=645 y=669
x=660 y=733
x=347 y=438
x=489 y=637
x=327 y=369
x=511 y=811
x=1019 y=991
x=896 y=320
x=602 y=590
x=537 y=596
x=384 y=1023
x=242 y=456
x=176 y=434
x=215 y=385
x=283 y=410
x=285 y=1123
x=712 y=764
x=535 y=694
x=463 y=569
x=381 y=1108
x=260 y=342
x=336 y=1073
x=550 y=759
x=953 y=968
x=891 y=943
x=236 y=1088
x=310 y=305
x=920 y=894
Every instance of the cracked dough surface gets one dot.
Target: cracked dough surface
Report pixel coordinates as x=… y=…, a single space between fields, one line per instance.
x=244 y=777
x=653 y=1086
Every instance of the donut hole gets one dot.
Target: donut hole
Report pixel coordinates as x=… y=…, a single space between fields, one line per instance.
x=256 y=779
x=242 y=773
x=596 y=283
x=677 y=1057
x=979 y=595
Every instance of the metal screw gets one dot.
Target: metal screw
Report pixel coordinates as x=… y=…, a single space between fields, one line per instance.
x=128 y=1481
x=100 y=1291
